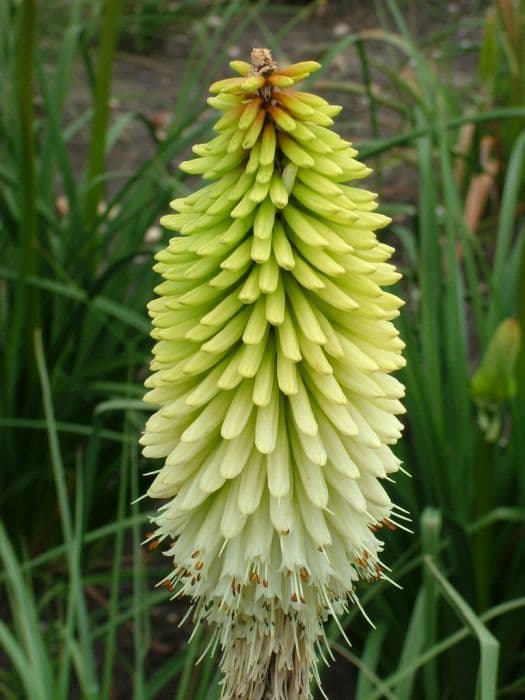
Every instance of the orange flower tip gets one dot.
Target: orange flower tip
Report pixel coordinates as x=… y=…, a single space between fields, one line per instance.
x=280 y=81
x=302 y=68
x=283 y=120
x=241 y=67
x=253 y=83
x=295 y=105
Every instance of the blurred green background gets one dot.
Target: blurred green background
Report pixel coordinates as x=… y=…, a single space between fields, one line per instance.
x=101 y=100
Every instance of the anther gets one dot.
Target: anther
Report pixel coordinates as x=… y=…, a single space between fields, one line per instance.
x=154 y=543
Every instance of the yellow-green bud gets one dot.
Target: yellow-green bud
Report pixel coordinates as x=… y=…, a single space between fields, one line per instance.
x=494 y=380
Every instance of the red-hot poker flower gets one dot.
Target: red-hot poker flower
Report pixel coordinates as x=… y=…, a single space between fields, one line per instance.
x=272 y=366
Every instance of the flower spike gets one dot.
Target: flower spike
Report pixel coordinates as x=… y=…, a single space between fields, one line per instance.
x=272 y=376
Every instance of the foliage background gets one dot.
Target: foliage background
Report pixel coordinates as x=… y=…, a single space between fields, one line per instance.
x=101 y=101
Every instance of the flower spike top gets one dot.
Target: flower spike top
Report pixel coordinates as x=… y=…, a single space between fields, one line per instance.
x=271 y=373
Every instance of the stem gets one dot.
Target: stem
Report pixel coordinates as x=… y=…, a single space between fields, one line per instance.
x=430 y=535
x=361 y=50
x=26 y=310
x=72 y=538
x=482 y=541
x=111 y=11
x=520 y=312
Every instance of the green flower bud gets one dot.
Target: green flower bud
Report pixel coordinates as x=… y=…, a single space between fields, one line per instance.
x=494 y=381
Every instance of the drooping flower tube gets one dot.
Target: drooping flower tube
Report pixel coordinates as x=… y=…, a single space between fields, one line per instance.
x=272 y=376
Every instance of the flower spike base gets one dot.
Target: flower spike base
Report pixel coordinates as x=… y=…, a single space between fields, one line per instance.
x=271 y=370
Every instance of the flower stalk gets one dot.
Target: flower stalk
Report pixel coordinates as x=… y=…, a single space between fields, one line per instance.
x=111 y=11
x=272 y=374
x=25 y=317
